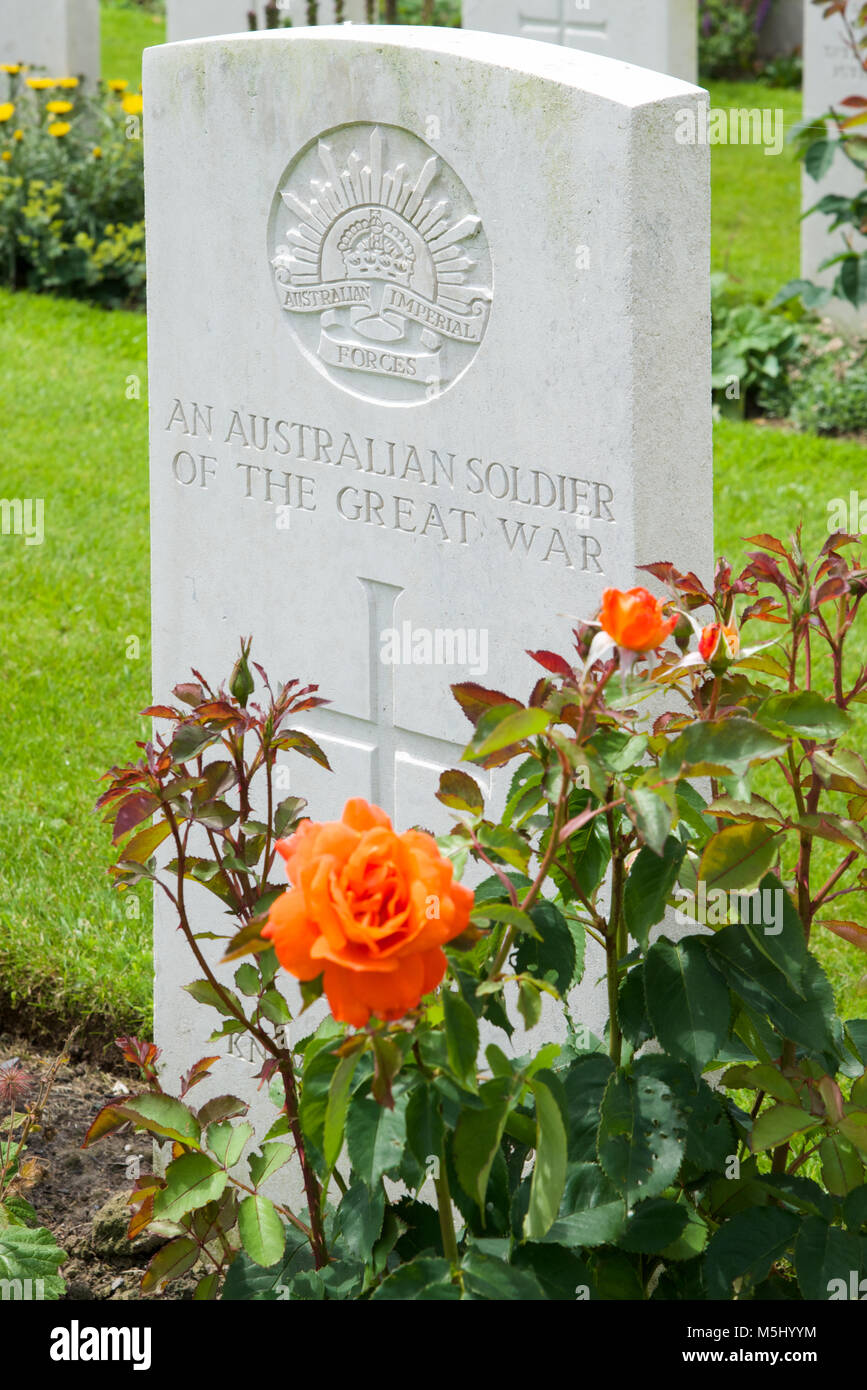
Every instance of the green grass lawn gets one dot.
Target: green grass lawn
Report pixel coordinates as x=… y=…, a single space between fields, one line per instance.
x=127 y=28
x=74 y=659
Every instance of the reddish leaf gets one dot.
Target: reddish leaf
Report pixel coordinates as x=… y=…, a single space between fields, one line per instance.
x=849 y=931
x=142 y=1218
x=475 y=700
x=189 y=693
x=107 y=1121
x=856 y=102
x=160 y=712
x=135 y=809
x=556 y=664
x=831 y=589
x=197 y=1072
x=768 y=543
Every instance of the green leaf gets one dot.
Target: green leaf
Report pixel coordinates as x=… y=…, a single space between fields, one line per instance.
x=462 y=1037
x=316 y=1084
x=584 y=1085
x=651 y=816
x=204 y=993
x=142 y=846
x=602 y=1225
x=853 y=1127
x=477 y=1138
x=746 y=1247
x=805 y=713
x=648 y=886
x=842 y=1169
x=499 y=729
x=777 y=1125
x=823 y=1254
x=426 y=1278
x=261 y=1230
x=271 y=1159
x=549 y=1170
x=687 y=1000
x=274 y=1007
x=492 y=1279
x=855 y=1209
x=163 y=1116
x=287 y=813
x=529 y=1003
x=739 y=856
x=26 y=1253
x=191 y=1182
x=691 y=1242
x=653 y=1225
x=460 y=792
x=375 y=1137
x=227 y=1142
x=718 y=747
x=170 y=1262
x=504 y=912
x=761 y=1078
x=424 y=1126
x=247 y=979
x=338 y=1103
x=641 y=1135
x=550 y=953
x=360 y=1218
x=635 y=1023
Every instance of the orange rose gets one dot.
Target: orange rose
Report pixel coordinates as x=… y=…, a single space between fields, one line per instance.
x=719 y=645
x=371 y=909
x=634 y=619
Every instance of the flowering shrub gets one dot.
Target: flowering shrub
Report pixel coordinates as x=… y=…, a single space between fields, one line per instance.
x=71 y=191
x=591 y=1167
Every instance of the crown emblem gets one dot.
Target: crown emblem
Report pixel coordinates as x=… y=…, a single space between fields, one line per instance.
x=377 y=250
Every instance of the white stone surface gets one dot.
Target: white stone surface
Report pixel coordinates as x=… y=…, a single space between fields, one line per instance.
x=61 y=36
x=199 y=19
x=432 y=294
x=657 y=34
x=831 y=73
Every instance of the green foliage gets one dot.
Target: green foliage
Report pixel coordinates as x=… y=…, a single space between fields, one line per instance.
x=752 y=347
x=728 y=37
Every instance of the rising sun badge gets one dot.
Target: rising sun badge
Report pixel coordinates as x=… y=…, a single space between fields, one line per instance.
x=381 y=265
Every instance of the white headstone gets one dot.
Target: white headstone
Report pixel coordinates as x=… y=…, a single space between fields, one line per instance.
x=429 y=352
x=354 y=12
x=61 y=36
x=657 y=34
x=831 y=73
x=199 y=19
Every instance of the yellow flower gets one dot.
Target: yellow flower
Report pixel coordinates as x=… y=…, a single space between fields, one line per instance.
x=40 y=84
x=67 y=81
x=132 y=105
x=97 y=152
x=117 y=84
x=7 y=155
x=59 y=128
x=6 y=110
x=19 y=135
x=58 y=108
x=12 y=68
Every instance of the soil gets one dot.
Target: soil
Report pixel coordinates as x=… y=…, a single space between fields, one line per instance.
x=75 y=1183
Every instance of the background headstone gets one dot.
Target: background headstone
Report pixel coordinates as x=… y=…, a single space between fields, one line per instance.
x=199 y=19
x=783 y=30
x=657 y=34
x=831 y=73
x=61 y=36
x=440 y=365
x=354 y=12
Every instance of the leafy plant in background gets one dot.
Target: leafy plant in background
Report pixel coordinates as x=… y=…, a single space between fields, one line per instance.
x=819 y=141
x=589 y=1168
x=71 y=191
x=728 y=36
x=29 y=1254
x=825 y=391
x=752 y=347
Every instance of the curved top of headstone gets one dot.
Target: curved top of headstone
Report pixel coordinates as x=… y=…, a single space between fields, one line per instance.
x=607 y=78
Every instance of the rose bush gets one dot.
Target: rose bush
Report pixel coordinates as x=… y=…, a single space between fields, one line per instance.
x=601 y=1167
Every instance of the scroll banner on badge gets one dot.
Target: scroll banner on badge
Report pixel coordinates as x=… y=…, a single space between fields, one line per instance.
x=423 y=367
x=463 y=328
x=315 y=299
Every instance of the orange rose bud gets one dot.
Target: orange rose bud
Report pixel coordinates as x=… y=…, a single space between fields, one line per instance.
x=369 y=910
x=718 y=646
x=634 y=619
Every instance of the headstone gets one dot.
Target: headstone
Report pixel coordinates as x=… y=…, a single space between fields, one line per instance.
x=831 y=73
x=657 y=34
x=432 y=371
x=200 y=19
x=61 y=36
x=782 y=33
x=354 y=12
